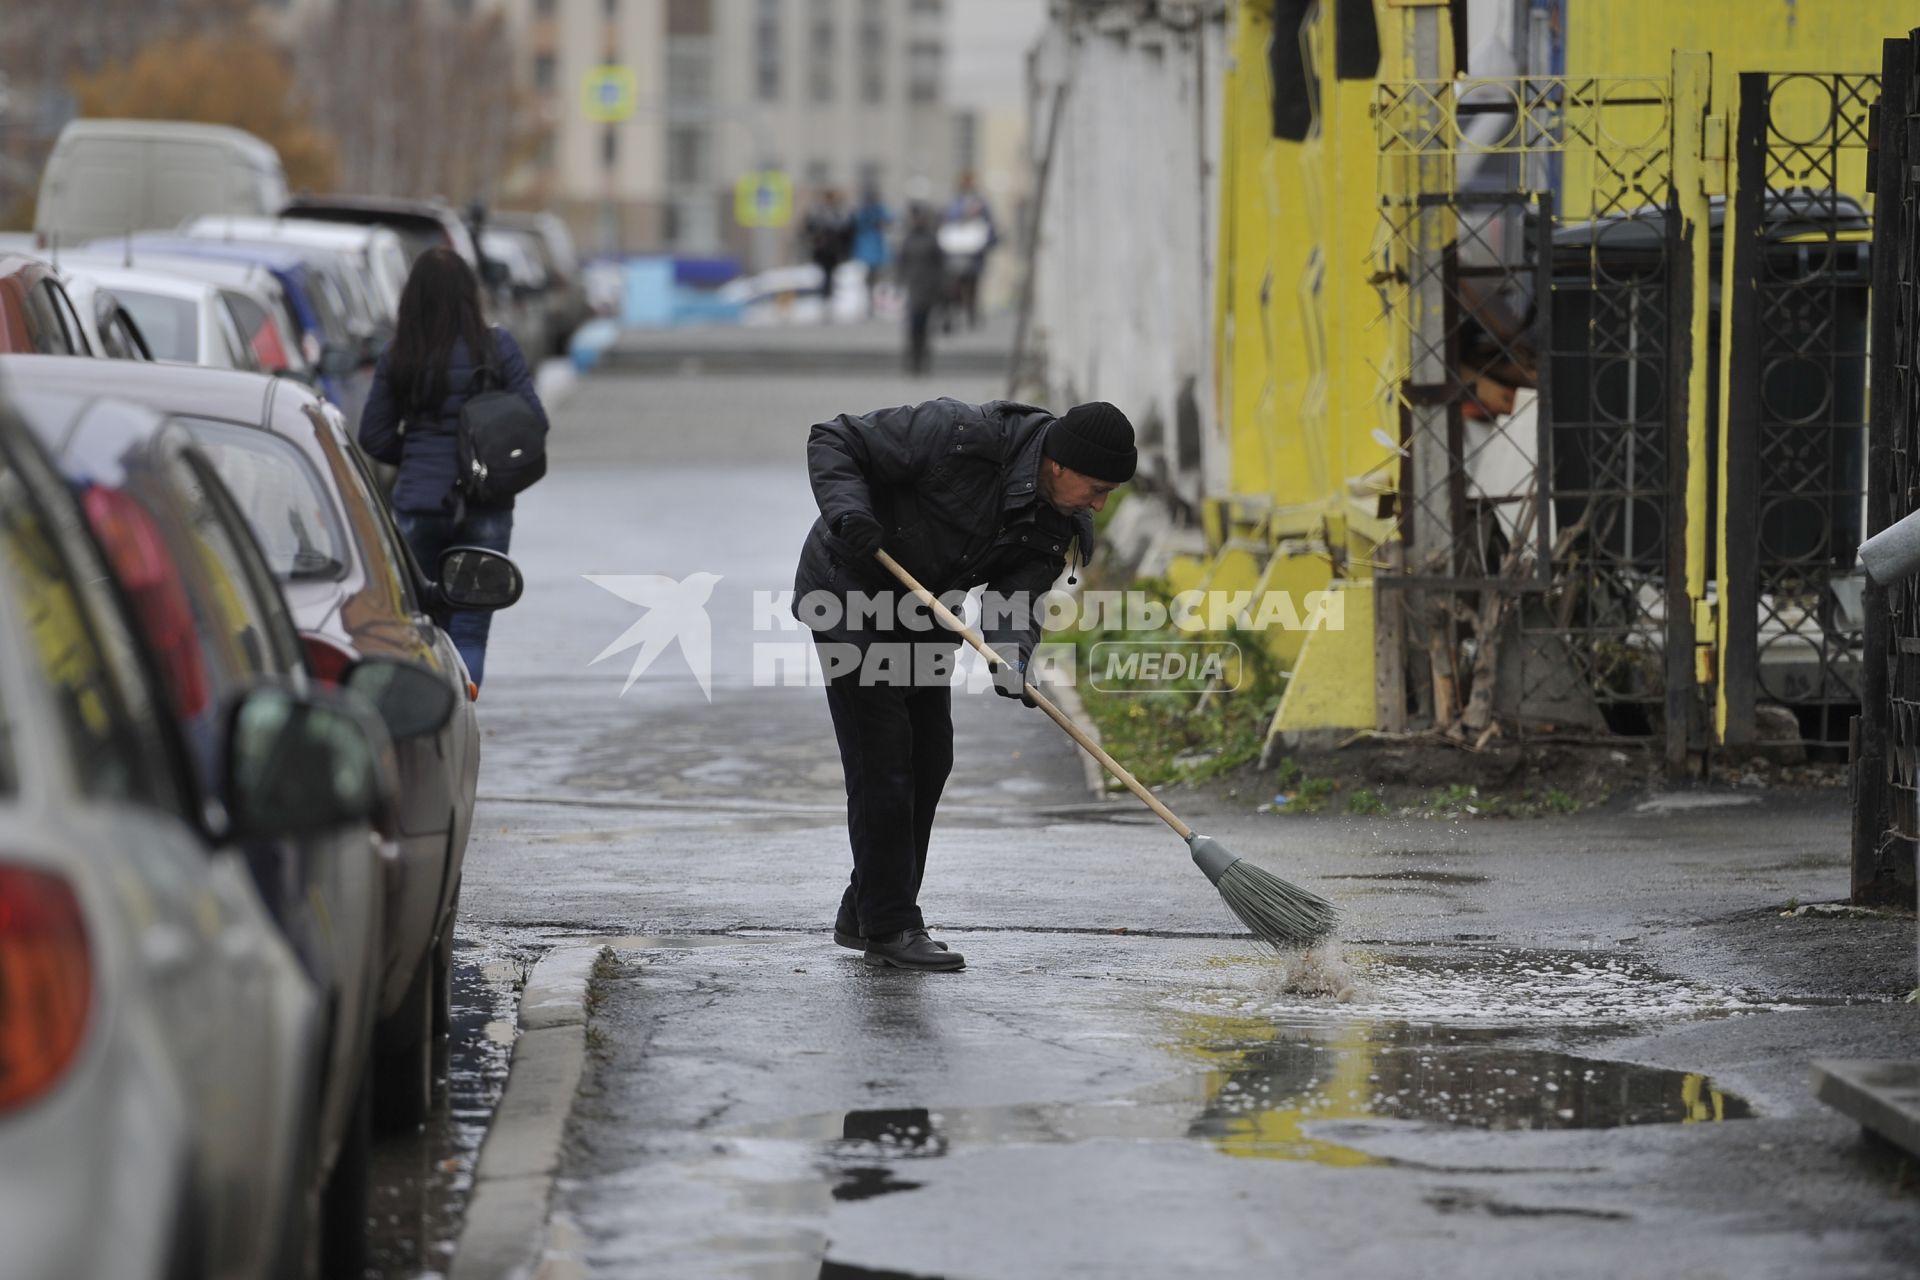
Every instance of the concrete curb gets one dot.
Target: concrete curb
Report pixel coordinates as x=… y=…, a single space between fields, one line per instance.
x=1067 y=698
x=504 y=1234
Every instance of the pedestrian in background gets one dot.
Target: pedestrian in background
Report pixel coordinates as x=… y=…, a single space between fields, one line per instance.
x=443 y=352
x=829 y=235
x=870 y=222
x=968 y=235
x=923 y=276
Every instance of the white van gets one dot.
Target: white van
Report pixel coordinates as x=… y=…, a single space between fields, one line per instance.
x=112 y=177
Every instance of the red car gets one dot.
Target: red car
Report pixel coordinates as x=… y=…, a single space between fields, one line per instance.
x=35 y=313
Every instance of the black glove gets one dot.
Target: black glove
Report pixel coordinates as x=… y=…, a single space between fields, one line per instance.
x=1010 y=679
x=860 y=533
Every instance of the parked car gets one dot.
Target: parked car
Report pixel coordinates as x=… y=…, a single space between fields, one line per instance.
x=360 y=596
x=176 y=537
x=114 y=177
x=111 y=332
x=326 y=343
x=253 y=294
x=383 y=260
x=520 y=301
x=181 y=320
x=567 y=305
x=159 y=1031
x=420 y=224
x=35 y=312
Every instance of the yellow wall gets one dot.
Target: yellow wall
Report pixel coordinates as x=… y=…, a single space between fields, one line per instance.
x=1638 y=37
x=1297 y=333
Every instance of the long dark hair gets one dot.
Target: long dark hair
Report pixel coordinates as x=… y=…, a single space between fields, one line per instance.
x=441 y=303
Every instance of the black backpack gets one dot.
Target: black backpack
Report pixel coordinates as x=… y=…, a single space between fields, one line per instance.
x=502 y=442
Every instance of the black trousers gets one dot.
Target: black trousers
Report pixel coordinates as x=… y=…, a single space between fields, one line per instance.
x=896 y=748
x=919 y=324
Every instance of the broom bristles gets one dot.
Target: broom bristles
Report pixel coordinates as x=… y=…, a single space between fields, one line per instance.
x=1280 y=914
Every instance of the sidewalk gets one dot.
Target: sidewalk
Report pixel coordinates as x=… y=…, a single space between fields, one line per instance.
x=875 y=346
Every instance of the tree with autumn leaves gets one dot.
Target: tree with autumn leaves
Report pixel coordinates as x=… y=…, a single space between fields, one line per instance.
x=358 y=95
x=234 y=78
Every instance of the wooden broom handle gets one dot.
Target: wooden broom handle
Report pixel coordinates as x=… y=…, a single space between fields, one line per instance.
x=1059 y=717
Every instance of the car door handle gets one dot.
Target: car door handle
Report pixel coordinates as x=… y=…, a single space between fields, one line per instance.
x=166 y=948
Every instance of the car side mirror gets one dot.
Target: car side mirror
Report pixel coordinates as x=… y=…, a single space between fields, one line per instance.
x=476 y=578
x=413 y=702
x=338 y=362
x=296 y=765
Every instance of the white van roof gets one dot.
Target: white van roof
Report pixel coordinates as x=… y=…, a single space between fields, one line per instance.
x=148 y=130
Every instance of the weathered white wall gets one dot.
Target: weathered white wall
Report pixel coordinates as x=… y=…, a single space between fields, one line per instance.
x=1123 y=277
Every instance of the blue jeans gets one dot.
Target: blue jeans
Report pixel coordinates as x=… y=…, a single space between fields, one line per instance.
x=430 y=534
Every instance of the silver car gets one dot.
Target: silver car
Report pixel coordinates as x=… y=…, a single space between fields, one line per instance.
x=158 y=1036
x=356 y=595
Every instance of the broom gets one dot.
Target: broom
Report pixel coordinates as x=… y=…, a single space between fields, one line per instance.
x=1279 y=913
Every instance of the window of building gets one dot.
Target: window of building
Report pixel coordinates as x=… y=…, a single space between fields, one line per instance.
x=689 y=17
x=766 y=51
x=924 y=63
x=821 y=39
x=873 y=51
x=819 y=174
x=934 y=7
x=543 y=7
x=873 y=176
x=686 y=155
x=544 y=68
x=689 y=69
x=610 y=7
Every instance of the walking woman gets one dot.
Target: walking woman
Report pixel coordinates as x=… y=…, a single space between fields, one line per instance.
x=442 y=353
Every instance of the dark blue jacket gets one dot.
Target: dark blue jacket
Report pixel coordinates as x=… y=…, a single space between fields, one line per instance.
x=424 y=445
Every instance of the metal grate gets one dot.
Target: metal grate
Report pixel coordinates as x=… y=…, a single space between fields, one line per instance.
x=1796 y=416
x=1887 y=777
x=1529 y=230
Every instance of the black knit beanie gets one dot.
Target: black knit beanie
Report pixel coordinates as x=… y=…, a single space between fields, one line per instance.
x=1094 y=439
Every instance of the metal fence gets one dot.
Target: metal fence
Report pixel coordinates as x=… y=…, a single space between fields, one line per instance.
x=1796 y=298
x=1531 y=259
x=1887 y=760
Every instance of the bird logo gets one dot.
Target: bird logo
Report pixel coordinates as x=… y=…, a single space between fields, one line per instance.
x=675 y=610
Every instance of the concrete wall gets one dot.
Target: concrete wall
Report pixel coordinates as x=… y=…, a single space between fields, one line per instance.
x=1124 y=258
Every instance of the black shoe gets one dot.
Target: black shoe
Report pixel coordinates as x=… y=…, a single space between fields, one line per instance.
x=858 y=941
x=912 y=949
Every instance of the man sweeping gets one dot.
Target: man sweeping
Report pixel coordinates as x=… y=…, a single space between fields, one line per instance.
x=961 y=495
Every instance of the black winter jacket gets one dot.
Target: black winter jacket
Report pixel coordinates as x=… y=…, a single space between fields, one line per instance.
x=427 y=450
x=956 y=487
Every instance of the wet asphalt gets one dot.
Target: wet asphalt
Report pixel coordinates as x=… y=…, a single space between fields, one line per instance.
x=1554 y=1047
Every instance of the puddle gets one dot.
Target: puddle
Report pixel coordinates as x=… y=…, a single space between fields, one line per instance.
x=420 y=1182
x=1445 y=879
x=1471 y=986
x=1444 y=1038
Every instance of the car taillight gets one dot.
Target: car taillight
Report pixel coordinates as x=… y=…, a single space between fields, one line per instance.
x=146 y=570
x=326 y=660
x=46 y=983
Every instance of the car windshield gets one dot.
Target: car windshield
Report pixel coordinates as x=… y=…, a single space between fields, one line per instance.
x=291 y=514
x=171 y=326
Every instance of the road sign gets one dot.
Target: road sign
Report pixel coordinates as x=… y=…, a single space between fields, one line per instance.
x=610 y=93
x=763 y=199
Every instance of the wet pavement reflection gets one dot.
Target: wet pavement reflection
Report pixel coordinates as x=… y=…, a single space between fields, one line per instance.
x=420 y=1183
